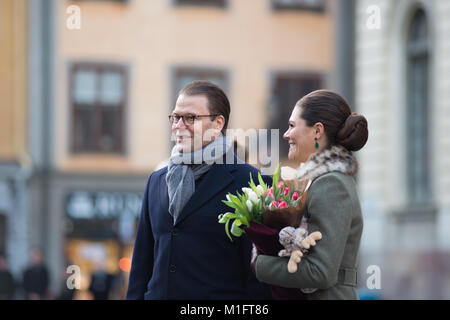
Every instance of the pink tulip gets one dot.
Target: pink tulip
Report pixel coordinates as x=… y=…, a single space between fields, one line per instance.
x=282 y=205
x=270 y=193
x=294 y=197
x=273 y=205
x=286 y=191
x=280 y=185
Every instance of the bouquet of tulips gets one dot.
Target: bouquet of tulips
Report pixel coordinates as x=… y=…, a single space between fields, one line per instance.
x=276 y=206
x=262 y=211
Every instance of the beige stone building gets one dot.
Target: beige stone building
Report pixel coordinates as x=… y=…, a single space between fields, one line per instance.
x=403 y=87
x=102 y=77
x=246 y=46
x=15 y=160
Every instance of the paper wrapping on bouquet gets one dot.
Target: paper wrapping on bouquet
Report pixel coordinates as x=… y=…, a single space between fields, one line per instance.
x=265 y=239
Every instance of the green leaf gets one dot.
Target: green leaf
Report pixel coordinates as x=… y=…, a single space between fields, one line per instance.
x=235 y=230
x=226 y=230
x=237 y=202
x=245 y=221
x=230 y=204
x=276 y=176
x=223 y=218
x=252 y=184
x=261 y=182
x=243 y=199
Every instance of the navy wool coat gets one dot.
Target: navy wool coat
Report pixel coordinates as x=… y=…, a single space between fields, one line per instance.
x=193 y=259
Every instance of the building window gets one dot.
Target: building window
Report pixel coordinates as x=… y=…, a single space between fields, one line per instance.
x=98 y=96
x=183 y=76
x=314 y=5
x=287 y=89
x=212 y=3
x=418 y=172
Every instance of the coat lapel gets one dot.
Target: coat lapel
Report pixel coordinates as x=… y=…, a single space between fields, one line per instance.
x=214 y=181
x=164 y=195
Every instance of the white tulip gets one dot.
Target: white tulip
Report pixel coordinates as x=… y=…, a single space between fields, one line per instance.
x=228 y=197
x=246 y=190
x=249 y=205
x=253 y=196
x=260 y=190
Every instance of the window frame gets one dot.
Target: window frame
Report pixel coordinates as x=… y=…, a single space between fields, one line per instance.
x=220 y=4
x=415 y=51
x=275 y=77
x=99 y=68
x=277 y=6
x=201 y=73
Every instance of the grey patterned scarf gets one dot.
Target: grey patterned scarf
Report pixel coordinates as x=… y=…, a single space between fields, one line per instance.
x=185 y=168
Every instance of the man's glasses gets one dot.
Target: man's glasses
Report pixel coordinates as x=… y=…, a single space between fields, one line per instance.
x=188 y=119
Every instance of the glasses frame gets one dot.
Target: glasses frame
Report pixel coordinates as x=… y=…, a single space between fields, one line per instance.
x=196 y=117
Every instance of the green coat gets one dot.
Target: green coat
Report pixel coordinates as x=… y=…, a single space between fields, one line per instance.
x=333 y=208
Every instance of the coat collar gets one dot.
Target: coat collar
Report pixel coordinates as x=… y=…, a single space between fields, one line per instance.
x=214 y=181
x=334 y=159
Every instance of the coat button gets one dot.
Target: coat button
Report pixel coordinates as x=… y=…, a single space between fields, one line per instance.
x=172 y=268
x=175 y=231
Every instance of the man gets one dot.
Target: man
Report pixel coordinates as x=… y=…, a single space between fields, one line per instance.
x=7 y=283
x=36 y=277
x=181 y=251
x=101 y=282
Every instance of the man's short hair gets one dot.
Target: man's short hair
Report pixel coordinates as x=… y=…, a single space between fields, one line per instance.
x=218 y=102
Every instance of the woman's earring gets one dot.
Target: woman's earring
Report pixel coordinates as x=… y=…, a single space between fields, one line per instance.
x=317 y=144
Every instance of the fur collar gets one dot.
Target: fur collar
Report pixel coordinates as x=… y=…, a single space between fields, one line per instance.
x=336 y=158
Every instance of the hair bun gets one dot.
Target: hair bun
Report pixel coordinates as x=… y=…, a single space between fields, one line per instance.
x=354 y=134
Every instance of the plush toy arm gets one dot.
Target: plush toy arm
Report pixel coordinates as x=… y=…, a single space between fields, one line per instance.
x=311 y=240
x=294 y=260
x=305 y=244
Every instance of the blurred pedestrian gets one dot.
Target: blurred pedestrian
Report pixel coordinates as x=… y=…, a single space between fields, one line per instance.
x=101 y=282
x=7 y=283
x=36 y=279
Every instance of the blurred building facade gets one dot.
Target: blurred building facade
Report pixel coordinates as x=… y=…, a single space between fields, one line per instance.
x=403 y=87
x=14 y=154
x=101 y=78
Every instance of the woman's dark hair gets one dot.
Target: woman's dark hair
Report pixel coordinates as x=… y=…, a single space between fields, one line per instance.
x=342 y=127
x=217 y=99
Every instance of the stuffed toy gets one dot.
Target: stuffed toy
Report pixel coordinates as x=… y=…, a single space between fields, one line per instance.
x=296 y=242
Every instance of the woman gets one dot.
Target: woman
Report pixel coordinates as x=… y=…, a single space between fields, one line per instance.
x=322 y=134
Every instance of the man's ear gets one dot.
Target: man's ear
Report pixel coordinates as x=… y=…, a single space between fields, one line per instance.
x=220 y=123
